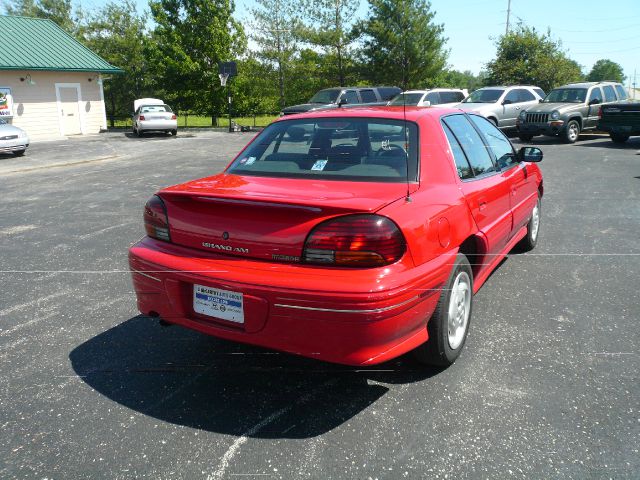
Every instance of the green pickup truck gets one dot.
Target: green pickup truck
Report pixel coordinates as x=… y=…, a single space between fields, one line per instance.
x=621 y=120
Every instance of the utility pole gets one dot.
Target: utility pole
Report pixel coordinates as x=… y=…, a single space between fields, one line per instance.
x=508 y=15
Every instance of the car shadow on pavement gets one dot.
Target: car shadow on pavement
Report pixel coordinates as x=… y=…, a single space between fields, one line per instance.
x=154 y=135
x=631 y=144
x=186 y=378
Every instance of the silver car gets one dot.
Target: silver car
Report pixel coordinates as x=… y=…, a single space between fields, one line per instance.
x=153 y=115
x=442 y=97
x=12 y=139
x=502 y=105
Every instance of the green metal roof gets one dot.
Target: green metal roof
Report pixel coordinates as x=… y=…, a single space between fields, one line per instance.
x=39 y=44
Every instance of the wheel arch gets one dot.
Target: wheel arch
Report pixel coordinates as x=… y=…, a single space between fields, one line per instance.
x=474 y=248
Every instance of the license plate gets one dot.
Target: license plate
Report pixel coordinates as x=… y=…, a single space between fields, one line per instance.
x=222 y=304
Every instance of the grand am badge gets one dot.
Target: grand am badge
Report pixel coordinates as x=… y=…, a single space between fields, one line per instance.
x=225 y=248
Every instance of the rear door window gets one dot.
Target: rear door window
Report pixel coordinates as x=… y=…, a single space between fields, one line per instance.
x=471 y=143
x=512 y=97
x=451 y=97
x=433 y=97
x=609 y=94
x=525 y=95
x=462 y=164
x=368 y=96
x=540 y=92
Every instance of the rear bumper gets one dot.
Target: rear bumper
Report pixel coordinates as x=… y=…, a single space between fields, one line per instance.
x=307 y=314
x=149 y=125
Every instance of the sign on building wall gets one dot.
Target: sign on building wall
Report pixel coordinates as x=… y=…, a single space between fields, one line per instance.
x=6 y=102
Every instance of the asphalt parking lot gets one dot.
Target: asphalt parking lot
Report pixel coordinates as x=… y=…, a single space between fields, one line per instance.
x=547 y=386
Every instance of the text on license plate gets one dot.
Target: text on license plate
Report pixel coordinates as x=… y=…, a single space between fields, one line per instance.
x=214 y=302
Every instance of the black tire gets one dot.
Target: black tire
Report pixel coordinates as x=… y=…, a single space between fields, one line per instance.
x=571 y=132
x=530 y=241
x=19 y=153
x=525 y=137
x=174 y=132
x=619 y=138
x=438 y=349
x=138 y=132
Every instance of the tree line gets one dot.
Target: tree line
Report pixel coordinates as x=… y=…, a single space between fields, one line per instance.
x=287 y=50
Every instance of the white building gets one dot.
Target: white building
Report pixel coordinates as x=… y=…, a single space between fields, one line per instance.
x=50 y=84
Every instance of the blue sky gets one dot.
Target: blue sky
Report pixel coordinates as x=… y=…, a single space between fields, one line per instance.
x=589 y=29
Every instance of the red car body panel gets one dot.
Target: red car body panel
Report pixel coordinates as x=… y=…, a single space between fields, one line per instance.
x=344 y=315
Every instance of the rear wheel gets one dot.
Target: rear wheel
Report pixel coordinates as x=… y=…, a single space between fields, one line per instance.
x=174 y=132
x=138 y=132
x=525 y=137
x=449 y=325
x=619 y=138
x=572 y=132
x=533 y=229
x=19 y=153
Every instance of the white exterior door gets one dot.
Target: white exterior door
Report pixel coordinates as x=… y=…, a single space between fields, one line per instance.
x=68 y=96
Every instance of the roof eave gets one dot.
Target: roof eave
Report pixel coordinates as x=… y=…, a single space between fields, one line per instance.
x=54 y=69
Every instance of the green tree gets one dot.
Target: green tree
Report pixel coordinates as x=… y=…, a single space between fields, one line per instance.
x=189 y=39
x=118 y=34
x=525 y=56
x=457 y=79
x=274 y=31
x=328 y=26
x=401 y=43
x=606 y=70
x=60 y=11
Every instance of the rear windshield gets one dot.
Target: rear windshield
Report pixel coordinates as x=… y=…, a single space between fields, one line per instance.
x=484 y=96
x=325 y=96
x=566 y=95
x=155 y=108
x=354 y=149
x=407 y=99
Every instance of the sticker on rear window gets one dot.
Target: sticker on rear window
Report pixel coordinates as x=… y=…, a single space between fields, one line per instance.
x=251 y=160
x=319 y=165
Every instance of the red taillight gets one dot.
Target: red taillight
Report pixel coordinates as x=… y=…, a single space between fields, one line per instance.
x=141 y=117
x=355 y=241
x=600 y=113
x=173 y=117
x=156 y=222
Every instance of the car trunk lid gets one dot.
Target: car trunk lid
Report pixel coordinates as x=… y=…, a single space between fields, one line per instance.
x=264 y=218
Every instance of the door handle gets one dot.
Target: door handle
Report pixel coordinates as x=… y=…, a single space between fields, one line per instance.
x=482 y=205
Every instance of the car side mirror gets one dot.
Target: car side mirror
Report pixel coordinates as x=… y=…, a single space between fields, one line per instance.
x=594 y=101
x=541 y=100
x=507 y=102
x=530 y=154
x=342 y=101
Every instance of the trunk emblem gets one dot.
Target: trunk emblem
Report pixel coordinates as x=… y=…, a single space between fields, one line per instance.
x=225 y=235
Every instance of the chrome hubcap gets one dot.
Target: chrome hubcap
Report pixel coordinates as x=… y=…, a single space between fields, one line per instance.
x=535 y=221
x=459 y=309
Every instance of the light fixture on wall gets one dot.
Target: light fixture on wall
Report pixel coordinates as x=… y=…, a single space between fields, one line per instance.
x=28 y=79
x=95 y=77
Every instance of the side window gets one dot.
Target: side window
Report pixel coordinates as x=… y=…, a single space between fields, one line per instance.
x=512 y=97
x=433 y=97
x=471 y=144
x=498 y=143
x=462 y=164
x=540 y=92
x=596 y=93
x=622 y=95
x=525 y=95
x=451 y=97
x=351 y=96
x=609 y=94
x=368 y=96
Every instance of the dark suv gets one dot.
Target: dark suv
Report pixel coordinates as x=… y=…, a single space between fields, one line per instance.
x=345 y=96
x=569 y=110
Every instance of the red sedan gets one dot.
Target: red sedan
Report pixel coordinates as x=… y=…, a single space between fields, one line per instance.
x=351 y=236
